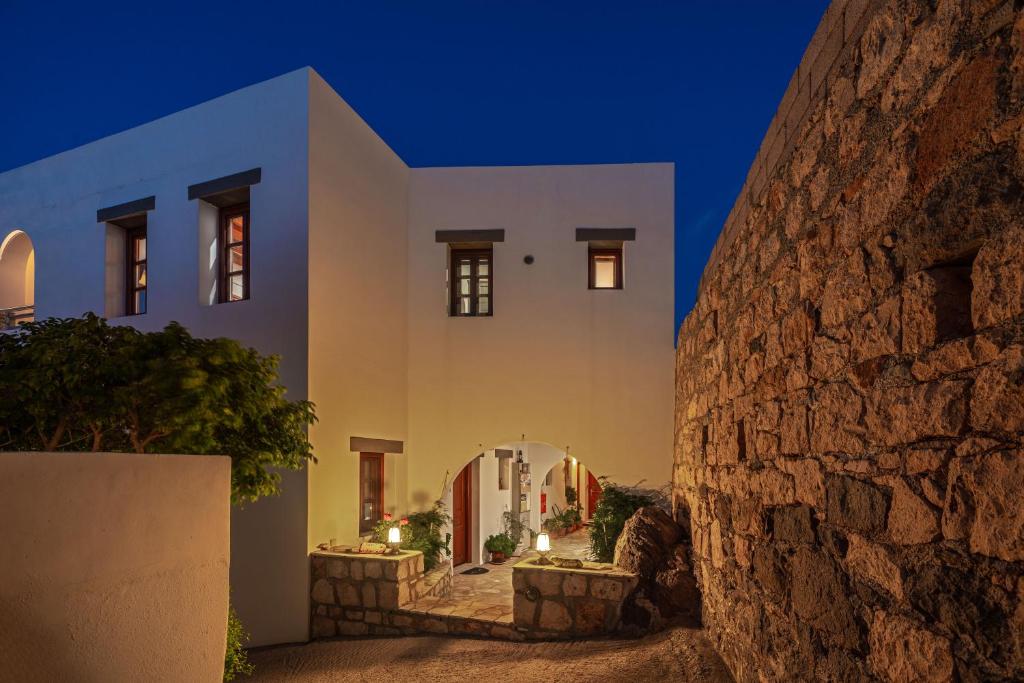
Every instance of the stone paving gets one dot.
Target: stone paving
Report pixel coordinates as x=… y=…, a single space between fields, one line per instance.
x=489 y=596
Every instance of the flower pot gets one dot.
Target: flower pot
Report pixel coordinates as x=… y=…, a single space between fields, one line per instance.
x=497 y=558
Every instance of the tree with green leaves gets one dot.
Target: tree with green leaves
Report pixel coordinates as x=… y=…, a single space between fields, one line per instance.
x=79 y=384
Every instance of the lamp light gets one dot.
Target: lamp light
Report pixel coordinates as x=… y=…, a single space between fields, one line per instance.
x=543 y=547
x=394 y=539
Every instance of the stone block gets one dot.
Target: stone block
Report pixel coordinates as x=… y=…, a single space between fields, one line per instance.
x=997 y=397
x=855 y=504
x=820 y=598
x=871 y=562
x=590 y=616
x=369 y=595
x=808 y=480
x=348 y=595
x=554 y=617
x=352 y=628
x=984 y=504
x=322 y=627
x=373 y=617
x=836 y=420
x=905 y=414
x=911 y=519
x=372 y=568
x=355 y=570
x=337 y=568
x=901 y=650
x=793 y=524
x=548 y=582
x=769 y=570
x=998 y=279
x=574 y=585
x=387 y=595
x=323 y=592
x=606 y=589
x=524 y=611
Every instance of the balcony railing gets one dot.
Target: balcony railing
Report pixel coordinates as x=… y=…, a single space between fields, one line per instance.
x=10 y=318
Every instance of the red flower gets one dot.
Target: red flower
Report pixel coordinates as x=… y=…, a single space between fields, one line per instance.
x=404 y=521
x=387 y=516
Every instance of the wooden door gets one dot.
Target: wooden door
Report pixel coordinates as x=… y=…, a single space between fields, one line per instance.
x=593 y=493
x=462 y=505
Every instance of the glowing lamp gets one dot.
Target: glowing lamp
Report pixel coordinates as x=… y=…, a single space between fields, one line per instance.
x=394 y=538
x=543 y=547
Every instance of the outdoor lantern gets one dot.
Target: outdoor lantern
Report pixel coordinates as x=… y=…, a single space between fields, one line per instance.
x=394 y=538
x=543 y=547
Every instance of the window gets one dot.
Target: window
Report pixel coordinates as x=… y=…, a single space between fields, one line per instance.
x=371 y=490
x=234 y=253
x=135 y=273
x=605 y=268
x=470 y=278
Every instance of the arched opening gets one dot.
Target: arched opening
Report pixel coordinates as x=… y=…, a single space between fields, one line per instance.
x=17 y=280
x=569 y=492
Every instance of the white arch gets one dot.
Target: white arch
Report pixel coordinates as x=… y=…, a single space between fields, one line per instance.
x=17 y=278
x=11 y=236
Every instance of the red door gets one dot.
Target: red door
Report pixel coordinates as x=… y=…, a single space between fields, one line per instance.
x=593 y=493
x=462 y=498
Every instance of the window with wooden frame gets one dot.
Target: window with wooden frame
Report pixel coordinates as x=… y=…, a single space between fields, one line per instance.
x=470 y=282
x=605 y=267
x=371 y=490
x=234 y=254
x=135 y=270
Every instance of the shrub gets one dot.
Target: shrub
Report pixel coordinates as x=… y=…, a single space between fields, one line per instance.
x=79 y=384
x=235 y=659
x=500 y=543
x=614 y=507
x=422 y=531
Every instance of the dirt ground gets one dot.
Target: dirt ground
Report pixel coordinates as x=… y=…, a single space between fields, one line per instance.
x=680 y=653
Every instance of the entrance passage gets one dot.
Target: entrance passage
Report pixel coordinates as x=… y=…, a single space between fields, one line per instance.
x=462 y=518
x=593 y=494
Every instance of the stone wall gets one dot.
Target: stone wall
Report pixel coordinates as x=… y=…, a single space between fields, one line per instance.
x=551 y=602
x=348 y=589
x=850 y=382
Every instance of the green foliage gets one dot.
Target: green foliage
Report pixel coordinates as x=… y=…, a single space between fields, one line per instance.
x=422 y=531
x=235 y=659
x=570 y=495
x=500 y=543
x=614 y=507
x=562 y=519
x=79 y=384
x=513 y=526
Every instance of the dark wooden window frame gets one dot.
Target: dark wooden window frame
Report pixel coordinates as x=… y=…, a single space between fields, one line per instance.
x=594 y=252
x=131 y=263
x=453 y=281
x=365 y=526
x=225 y=275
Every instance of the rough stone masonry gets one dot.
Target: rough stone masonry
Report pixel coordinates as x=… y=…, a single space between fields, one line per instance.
x=850 y=383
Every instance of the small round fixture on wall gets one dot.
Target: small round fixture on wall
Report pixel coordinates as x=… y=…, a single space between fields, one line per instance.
x=528 y=259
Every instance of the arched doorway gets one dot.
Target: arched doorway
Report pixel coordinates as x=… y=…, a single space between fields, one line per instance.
x=17 y=279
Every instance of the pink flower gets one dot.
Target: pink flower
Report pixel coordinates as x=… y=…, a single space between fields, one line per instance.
x=404 y=522
x=387 y=516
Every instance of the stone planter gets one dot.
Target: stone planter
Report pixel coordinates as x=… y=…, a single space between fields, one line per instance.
x=551 y=602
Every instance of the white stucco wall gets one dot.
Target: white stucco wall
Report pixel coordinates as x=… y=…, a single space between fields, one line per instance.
x=115 y=566
x=357 y=310
x=55 y=202
x=563 y=364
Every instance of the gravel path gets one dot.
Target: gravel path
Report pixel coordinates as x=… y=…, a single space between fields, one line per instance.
x=678 y=654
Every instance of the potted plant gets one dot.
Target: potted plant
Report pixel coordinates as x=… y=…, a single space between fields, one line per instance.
x=500 y=546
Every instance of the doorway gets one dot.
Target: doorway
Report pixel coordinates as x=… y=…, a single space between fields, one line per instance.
x=593 y=494
x=462 y=517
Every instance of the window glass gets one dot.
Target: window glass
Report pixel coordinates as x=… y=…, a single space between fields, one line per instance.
x=234 y=254
x=605 y=268
x=472 y=293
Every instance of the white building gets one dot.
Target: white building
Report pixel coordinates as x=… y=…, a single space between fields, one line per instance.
x=353 y=270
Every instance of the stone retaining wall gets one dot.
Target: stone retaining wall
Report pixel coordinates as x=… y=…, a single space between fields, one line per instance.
x=850 y=382
x=551 y=602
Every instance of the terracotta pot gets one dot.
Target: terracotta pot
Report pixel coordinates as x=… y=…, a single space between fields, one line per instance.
x=497 y=558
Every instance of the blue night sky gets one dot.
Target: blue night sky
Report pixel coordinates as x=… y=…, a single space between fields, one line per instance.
x=443 y=82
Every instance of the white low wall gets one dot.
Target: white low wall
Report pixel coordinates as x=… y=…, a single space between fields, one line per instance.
x=113 y=567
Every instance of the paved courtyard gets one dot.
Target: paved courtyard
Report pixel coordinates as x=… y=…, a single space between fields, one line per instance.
x=489 y=596
x=680 y=654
